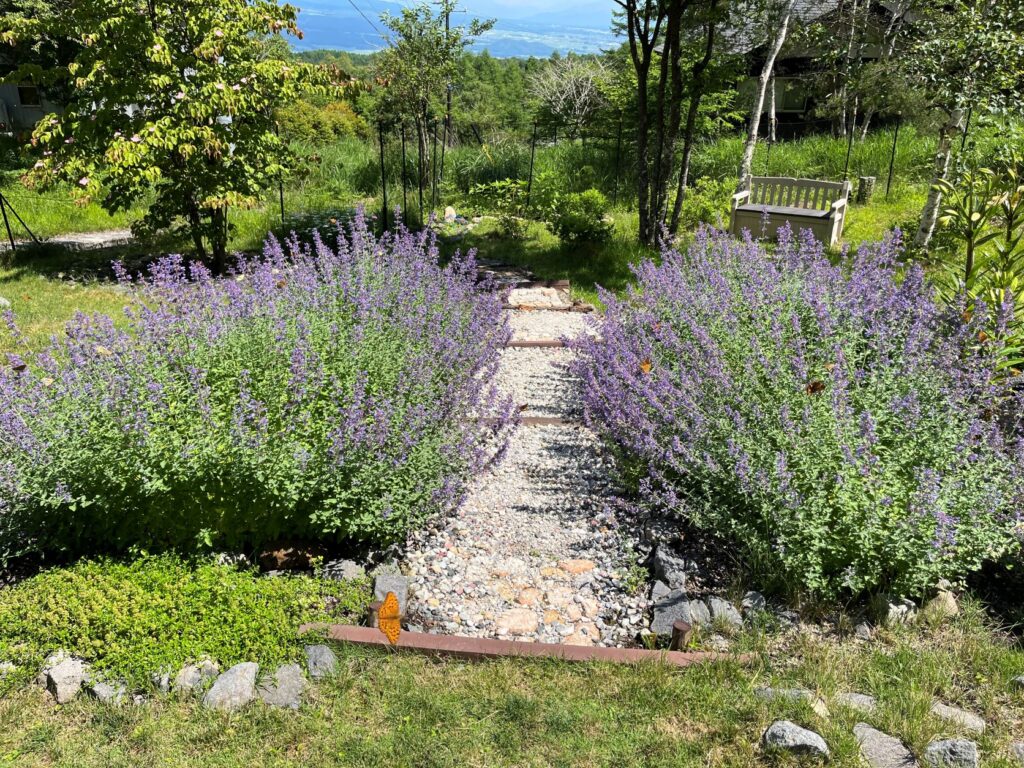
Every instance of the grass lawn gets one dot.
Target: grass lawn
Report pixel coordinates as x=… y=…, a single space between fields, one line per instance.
x=400 y=710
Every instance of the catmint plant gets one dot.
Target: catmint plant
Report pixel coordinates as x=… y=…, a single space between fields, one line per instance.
x=328 y=394
x=836 y=422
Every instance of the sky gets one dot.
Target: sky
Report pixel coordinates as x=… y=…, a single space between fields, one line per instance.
x=522 y=28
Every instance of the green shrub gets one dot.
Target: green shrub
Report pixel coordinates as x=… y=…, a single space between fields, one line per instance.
x=706 y=202
x=580 y=216
x=131 y=619
x=308 y=122
x=507 y=200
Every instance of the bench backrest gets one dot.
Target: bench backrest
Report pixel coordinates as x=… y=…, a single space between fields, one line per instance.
x=796 y=193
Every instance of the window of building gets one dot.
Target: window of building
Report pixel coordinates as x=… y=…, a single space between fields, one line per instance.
x=28 y=95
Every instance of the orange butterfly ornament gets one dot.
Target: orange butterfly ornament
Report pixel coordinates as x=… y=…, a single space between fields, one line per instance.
x=389 y=620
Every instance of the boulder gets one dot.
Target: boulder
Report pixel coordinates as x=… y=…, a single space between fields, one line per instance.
x=793 y=694
x=659 y=591
x=941 y=607
x=108 y=693
x=321 y=661
x=952 y=753
x=233 y=689
x=892 y=611
x=863 y=631
x=392 y=582
x=669 y=567
x=724 y=612
x=1017 y=752
x=64 y=680
x=1018 y=682
x=449 y=214
x=193 y=676
x=676 y=606
x=790 y=737
x=880 y=750
x=960 y=717
x=860 y=702
x=4 y=303
x=753 y=602
x=286 y=688
x=342 y=570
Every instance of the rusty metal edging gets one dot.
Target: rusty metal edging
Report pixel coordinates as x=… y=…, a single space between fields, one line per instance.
x=479 y=648
x=535 y=344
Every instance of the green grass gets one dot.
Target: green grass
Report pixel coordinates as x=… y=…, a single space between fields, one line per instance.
x=131 y=619
x=388 y=709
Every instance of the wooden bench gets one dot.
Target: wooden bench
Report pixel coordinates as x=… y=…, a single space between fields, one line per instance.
x=819 y=206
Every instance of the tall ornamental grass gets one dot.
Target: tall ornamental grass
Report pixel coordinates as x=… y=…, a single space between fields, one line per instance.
x=841 y=428
x=313 y=394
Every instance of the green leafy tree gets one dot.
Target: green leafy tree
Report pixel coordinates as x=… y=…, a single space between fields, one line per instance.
x=419 y=67
x=170 y=102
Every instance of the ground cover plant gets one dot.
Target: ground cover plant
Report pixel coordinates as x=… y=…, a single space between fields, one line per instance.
x=317 y=393
x=839 y=423
x=132 y=619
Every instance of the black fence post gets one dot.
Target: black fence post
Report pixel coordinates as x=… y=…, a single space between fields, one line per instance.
x=533 y=152
x=892 y=157
x=7 y=224
x=967 y=127
x=383 y=180
x=405 y=185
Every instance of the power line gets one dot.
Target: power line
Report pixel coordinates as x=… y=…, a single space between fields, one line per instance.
x=365 y=17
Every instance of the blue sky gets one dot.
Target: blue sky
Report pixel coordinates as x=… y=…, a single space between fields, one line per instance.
x=523 y=27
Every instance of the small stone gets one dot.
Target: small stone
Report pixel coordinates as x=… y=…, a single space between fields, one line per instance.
x=941 y=607
x=952 y=753
x=659 y=591
x=559 y=596
x=790 y=737
x=552 y=617
x=6 y=668
x=880 y=750
x=858 y=701
x=725 y=612
x=286 y=689
x=673 y=607
x=753 y=602
x=552 y=573
x=449 y=214
x=591 y=607
x=321 y=661
x=390 y=582
x=1018 y=682
x=585 y=634
x=108 y=693
x=5 y=303
x=576 y=567
x=342 y=570
x=192 y=676
x=895 y=611
x=699 y=613
x=64 y=680
x=529 y=596
x=1017 y=751
x=863 y=631
x=793 y=694
x=161 y=681
x=669 y=567
x=574 y=613
x=961 y=717
x=233 y=689
x=518 y=621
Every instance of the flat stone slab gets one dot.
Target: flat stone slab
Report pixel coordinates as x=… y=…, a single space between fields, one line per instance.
x=880 y=750
x=233 y=689
x=285 y=689
x=64 y=680
x=793 y=694
x=109 y=693
x=541 y=298
x=961 y=717
x=321 y=661
x=952 y=753
x=789 y=737
x=858 y=701
x=392 y=582
x=725 y=612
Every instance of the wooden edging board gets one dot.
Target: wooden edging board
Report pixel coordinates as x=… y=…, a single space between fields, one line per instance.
x=479 y=648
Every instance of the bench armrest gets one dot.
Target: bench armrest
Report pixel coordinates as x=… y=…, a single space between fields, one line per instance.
x=840 y=203
x=739 y=197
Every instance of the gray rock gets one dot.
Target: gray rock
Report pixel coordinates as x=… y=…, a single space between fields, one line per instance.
x=952 y=753
x=390 y=582
x=193 y=676
x=790 y=737
x=941 y=607
x=673 y=607
x=233 y=689
x=343 y=570
x=961 y=717
x=64 y=680
x=892 y=611
x=6 y=668
x=880 y=750
x=321 y=661
x=286 y=688
x=1017 y=751
x=863 y=631
x=449 y=214
x=162 y=681
x=669 y=567
x=793 y=694
x=788 y=618
x=725 y=612
x=4 y=303
x=699 y=613
x=1018 y=682
x=659 y=591
x=858 y=701
x=753 y=602
x=108 y=693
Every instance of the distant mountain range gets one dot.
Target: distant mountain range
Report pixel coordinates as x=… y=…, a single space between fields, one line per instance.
x=523 y=27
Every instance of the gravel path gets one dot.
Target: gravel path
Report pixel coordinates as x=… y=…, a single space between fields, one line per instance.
x=536 y=551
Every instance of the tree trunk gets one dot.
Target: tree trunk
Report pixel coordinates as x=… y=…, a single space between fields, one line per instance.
x=943 y=154
x=219 y=240
x=195 y=225
x=772 y=120
x=762 y=86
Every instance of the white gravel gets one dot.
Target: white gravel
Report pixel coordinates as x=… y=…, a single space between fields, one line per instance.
x=535 y=552
x=549 y=325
